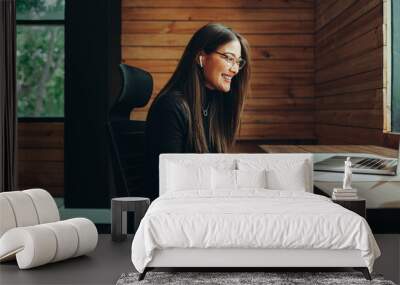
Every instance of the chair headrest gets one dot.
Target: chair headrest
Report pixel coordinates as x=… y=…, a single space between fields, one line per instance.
x=137 y=87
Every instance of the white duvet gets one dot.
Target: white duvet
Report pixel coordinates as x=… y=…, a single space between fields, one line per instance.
x=250 y=219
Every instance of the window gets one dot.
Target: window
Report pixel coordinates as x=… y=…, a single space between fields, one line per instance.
x=40 y=58
x=395 y=76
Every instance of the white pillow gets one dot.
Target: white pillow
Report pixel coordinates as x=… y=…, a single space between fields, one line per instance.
x=251 y=178
x=293 y=179
x=188 y=177
x=282 y=174
x=227 y=179
x=223 y=179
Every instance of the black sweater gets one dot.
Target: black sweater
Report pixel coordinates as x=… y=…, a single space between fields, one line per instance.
x=166 y=132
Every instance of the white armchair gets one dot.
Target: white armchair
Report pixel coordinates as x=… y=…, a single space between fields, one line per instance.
x=31 y=230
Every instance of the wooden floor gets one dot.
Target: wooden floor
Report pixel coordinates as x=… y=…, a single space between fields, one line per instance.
x=103 y=266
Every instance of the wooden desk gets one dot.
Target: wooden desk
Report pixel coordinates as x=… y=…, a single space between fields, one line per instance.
x=383 y=214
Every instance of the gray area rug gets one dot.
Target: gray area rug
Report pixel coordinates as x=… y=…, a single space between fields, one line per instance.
x=233 y=278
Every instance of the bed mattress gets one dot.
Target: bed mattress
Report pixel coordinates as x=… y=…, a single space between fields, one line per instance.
x=250 y=219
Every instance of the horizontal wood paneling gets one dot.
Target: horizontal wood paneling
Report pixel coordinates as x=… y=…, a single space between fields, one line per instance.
x=41 y=175
x=370 y=99
x=281 y=36
x=279 y=104
x=269 y=91
x=352 y=118
x=189 y=27
x=335 y=9
x=365 y=43
x=219 y=3
x=41 y=156
x=271 y=117
x=317 y=70
x=352 y=13
x=349 y=72
x=217 y=14
x=181 y=40
x=369 y=21
x=284 y=66
x=277 y=131
x=270 y=53
x=370 y=80
x=264 y=85
x=267 y=78
x=41 y=135
x=271 y=104
x=321 y=7
x=351 y=66
x=333 y=134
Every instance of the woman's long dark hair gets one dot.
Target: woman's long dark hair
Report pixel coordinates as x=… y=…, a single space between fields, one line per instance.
x=225 y=110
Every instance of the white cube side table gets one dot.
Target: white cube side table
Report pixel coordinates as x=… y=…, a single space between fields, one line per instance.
x=119 y=208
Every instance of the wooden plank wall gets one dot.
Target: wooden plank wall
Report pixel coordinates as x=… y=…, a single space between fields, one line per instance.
x=349 y=90
x=281 y=35
x=345 y=74
x=41 y=156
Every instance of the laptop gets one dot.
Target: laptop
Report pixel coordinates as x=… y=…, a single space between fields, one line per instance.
x=361 y=164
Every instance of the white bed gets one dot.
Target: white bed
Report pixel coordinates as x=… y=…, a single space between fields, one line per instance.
x=201 y=220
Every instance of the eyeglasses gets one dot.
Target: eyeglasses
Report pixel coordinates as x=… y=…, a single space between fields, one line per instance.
x=231 y=60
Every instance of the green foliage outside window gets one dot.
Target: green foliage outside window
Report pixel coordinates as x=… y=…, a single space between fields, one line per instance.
x=40 y=58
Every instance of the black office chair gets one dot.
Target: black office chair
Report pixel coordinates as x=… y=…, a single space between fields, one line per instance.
x=127 y=136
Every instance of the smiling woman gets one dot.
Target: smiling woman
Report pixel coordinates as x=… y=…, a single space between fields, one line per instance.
x=199 y=108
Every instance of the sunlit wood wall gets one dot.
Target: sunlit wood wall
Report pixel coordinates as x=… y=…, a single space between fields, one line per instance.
x=280 y=32
x=318 y=72
x=349 y=71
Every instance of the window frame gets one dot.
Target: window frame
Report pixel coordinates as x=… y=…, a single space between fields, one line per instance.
x=44 y=23
x=389 y=87
x=394 y=68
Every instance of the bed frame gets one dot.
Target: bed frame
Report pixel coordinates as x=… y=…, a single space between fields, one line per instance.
x=242 y=259
x=250 y=258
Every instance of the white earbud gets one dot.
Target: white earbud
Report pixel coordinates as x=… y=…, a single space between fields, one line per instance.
x=201 y=62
